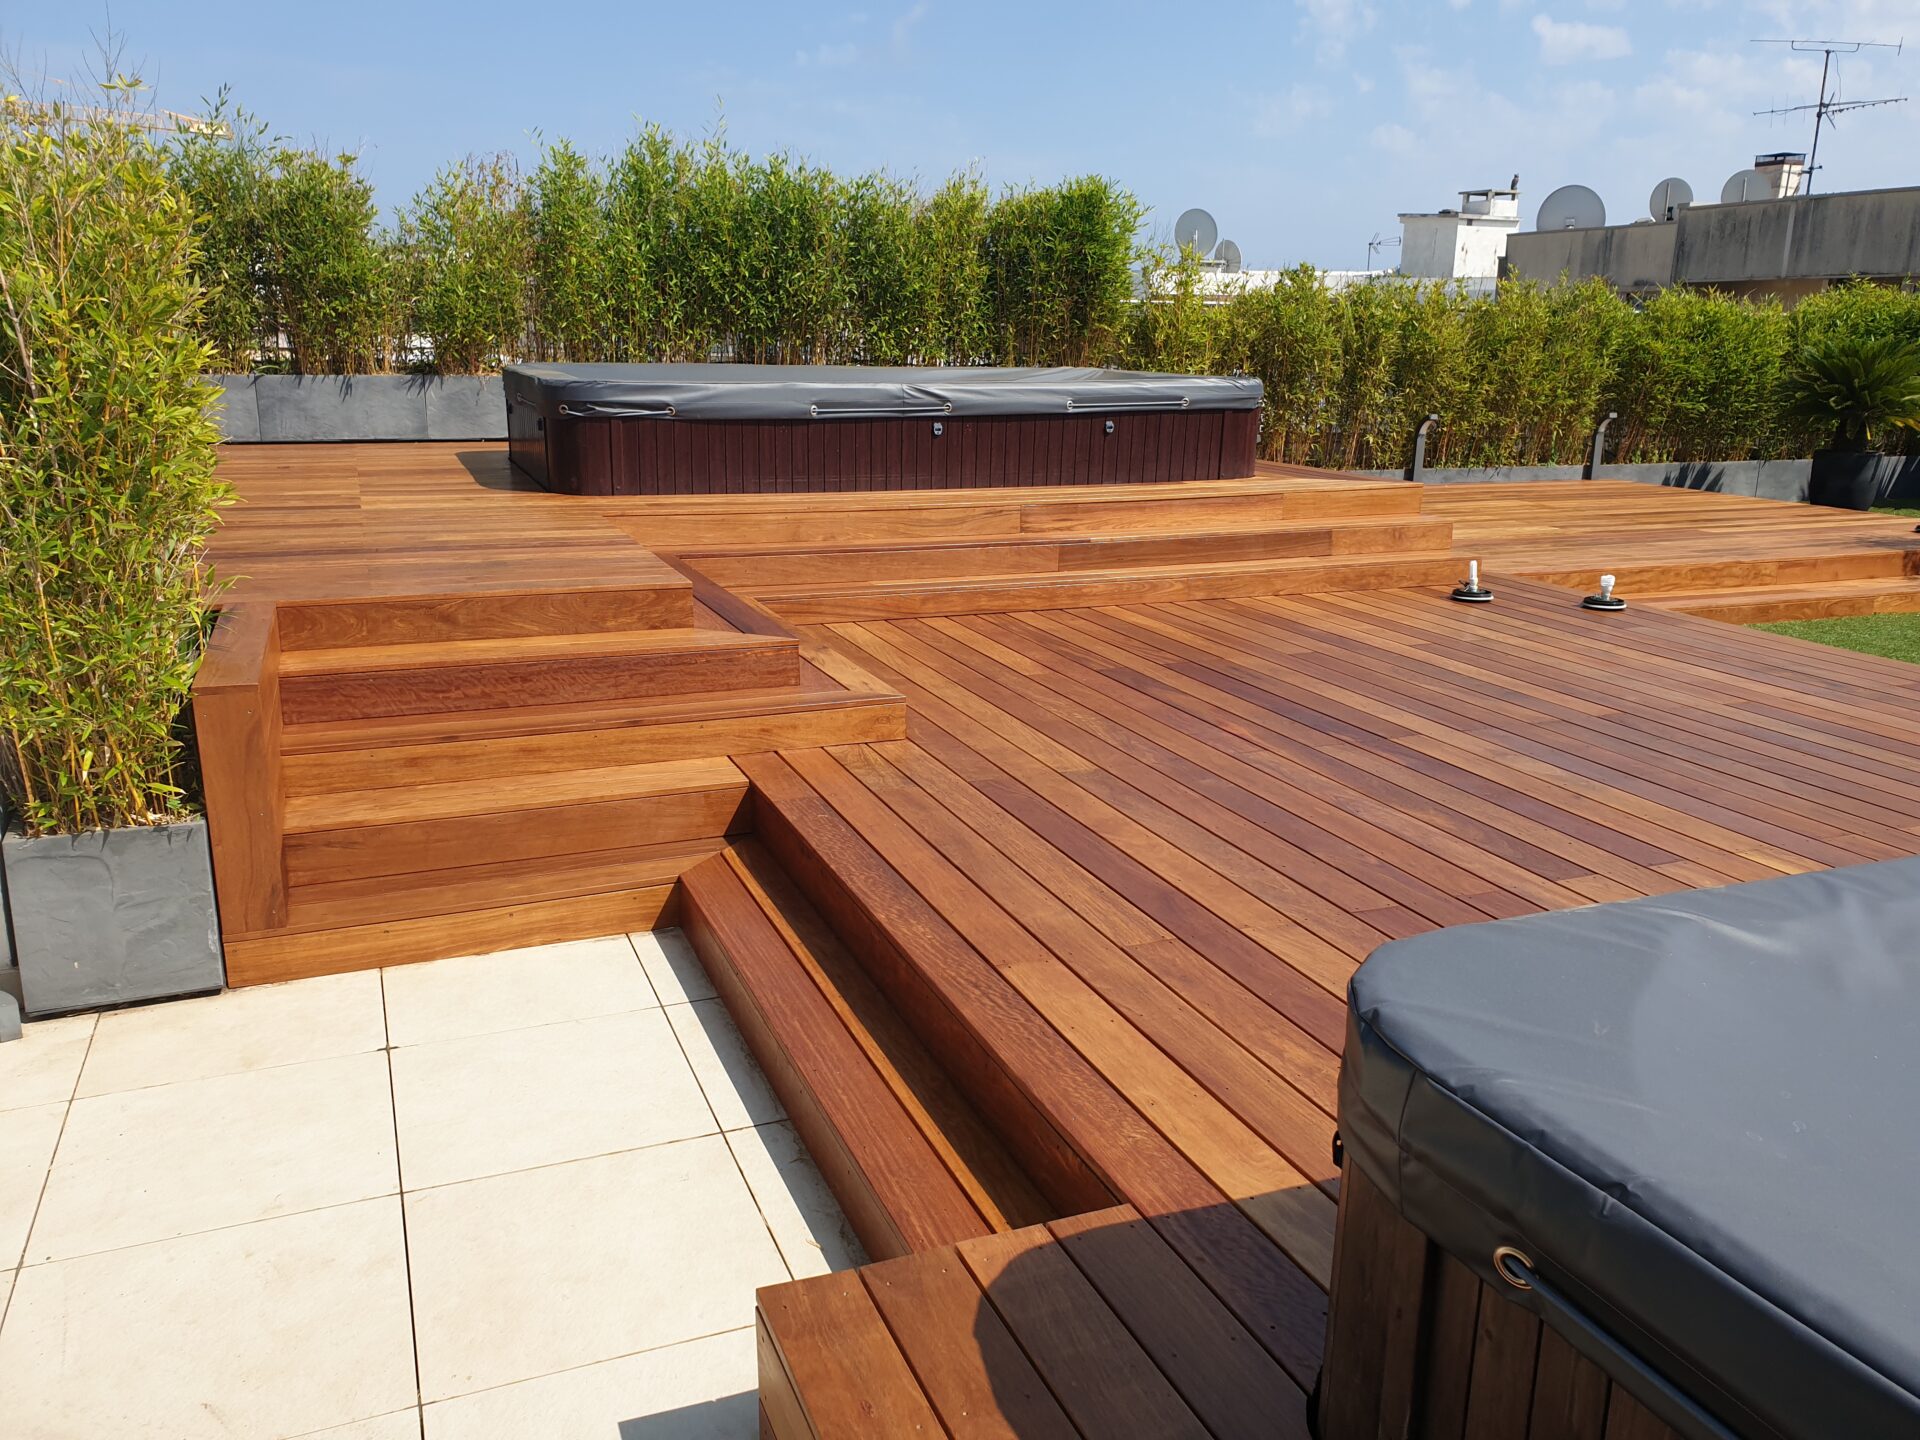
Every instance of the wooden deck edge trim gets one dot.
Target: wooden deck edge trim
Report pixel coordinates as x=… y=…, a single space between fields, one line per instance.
x=236 y=719
x=328 y=622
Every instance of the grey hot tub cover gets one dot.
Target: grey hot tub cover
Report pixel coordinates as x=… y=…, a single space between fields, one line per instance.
x=819 y=392
x=1698 y=1115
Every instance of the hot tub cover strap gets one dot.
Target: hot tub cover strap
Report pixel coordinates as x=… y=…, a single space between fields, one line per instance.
x=1697 y=1116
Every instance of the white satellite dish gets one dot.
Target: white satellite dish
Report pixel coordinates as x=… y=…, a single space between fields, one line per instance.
x=1229 y=257
x=1571 y=207
x=1744 y=185
x=1195 y=229
x=1667 y=198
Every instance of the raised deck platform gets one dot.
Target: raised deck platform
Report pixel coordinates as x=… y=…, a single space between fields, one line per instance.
x=1036 y=890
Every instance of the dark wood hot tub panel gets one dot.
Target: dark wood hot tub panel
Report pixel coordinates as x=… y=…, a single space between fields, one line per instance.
x=702 y=457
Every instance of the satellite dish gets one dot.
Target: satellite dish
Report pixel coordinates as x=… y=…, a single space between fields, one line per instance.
x=1746 y=185
x=1571 y=207
x=1667 y=198
x=1229 y=257
x=1196 y=228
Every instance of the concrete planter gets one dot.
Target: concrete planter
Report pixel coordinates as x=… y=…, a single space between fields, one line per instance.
x=112 y=916
x=288 y=408
x=1851 y=479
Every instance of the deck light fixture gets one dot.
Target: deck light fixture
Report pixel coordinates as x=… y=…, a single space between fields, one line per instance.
x=1470 y=591
x=1606 y=599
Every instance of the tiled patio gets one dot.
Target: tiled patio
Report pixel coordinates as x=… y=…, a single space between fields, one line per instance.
x=518 y=1195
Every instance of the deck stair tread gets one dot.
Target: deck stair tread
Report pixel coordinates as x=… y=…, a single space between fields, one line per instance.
x=825 y=600
x=1832 y=598
x=403 y=802
x=389 y=898
x=910 y=1162
x=495 y=650
x=1089 y=1327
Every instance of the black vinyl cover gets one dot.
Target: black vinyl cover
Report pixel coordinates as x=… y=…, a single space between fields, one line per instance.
x=824 y=392
x=1698 y=1115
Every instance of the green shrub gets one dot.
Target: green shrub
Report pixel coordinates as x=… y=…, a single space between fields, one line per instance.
x=1853 y=388
x=1697 y=378
x=466 y=244
x=568 y=263
x=107 y=486
x=328 y=277
x=1060 y=272
x=224 y=169
x=952 y=230
x=884 y=262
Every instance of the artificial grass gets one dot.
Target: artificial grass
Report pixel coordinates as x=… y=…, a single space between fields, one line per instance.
x=1895 y=636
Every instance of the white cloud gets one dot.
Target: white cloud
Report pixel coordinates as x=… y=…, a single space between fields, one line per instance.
x=1334 y=24
x=1564 y=42
x=827 y=57
x=1278 y=116
x=1394 y=139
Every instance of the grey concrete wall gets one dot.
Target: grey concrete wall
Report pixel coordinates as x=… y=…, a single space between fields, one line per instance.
x=1768 y=479
x=1630 y=257
x=1813 y=238
x=282 y=408
x=1863 y=232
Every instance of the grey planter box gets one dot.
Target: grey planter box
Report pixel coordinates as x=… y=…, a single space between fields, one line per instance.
x=112 y=916
x=289 y=408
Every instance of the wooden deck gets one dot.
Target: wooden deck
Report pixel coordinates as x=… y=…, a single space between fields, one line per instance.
x=1045 y=949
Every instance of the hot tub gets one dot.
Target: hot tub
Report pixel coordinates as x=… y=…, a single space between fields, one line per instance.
x=753 y=429
x=1656 y=1160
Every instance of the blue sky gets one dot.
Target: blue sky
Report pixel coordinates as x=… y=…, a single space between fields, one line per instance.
x=1305 y=126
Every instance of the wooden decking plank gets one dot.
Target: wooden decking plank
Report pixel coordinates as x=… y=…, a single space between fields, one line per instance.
x=1274 y=1193
x=974 y=1372
x=1003 y=1195
x=1182 y=1029
x=1234 y=1386
x=1085 y=1353
x=842 y=1363
x=1295 y=935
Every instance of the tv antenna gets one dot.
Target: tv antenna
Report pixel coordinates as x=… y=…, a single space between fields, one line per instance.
x=1376 y=245
x=1824 y=109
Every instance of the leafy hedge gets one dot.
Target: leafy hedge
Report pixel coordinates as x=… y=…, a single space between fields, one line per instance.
x=107 y=486
x=1519 y=378
x=690 y=250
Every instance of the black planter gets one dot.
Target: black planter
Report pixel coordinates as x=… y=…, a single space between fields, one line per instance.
x=112 y=916
x=1850 y=479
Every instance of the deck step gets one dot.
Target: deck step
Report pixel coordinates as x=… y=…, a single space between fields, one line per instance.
x=394 y=919
x=910 y=1162
x=494 y=672
x=406 y=828
x=763 y=569
x=401 y=619
x=1659 y=575
x=1090 y=1326
x=829 y=601
x=1786 y=602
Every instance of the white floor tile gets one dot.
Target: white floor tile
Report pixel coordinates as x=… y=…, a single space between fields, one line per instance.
x=513 y=989
x=735 y=1088
x=41 y=1066
x=676 y=972
x=249 y=1029
x=487 y=1104
x=401 y=1425
x=274 y=1329
x=27 y=1138
x=697 y=1390
x=145 y=1165
x=807 y=1225
x=520 y=1275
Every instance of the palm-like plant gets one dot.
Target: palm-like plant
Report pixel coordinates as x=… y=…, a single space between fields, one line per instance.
x=1860 y=386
